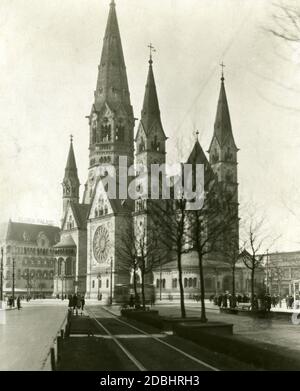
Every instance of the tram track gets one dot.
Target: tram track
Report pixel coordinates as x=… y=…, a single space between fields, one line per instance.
x=169 y=349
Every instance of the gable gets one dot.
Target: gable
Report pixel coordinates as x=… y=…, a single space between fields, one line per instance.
x=69 y=219
x=101 y=204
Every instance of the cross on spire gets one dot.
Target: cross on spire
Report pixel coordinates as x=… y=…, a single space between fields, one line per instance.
x=222 y=65
x=152 y=50
x=197 y=134
x=71 y=138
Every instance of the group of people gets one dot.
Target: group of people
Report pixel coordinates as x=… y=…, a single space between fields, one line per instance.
x=76 y=303
x=11 y=302
x=227 y=300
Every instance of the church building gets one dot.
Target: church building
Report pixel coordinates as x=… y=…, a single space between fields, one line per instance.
x=87 y=256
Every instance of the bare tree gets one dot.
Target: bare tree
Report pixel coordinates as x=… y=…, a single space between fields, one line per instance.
x=171 y=224
x=126 y=250
x=214 y=230
x=254 y=252
x=286 y=21
x=139 y=250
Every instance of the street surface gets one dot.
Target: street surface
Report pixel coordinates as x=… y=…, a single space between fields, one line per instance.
x=27 y=335
x=124 y=345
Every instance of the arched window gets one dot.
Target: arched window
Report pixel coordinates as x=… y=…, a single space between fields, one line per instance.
x=68 y=267
x=157 y=283
x=107 y=283
x=195 y=283
x=164 y=284
x=185 y=282
x=190 y=282
x=100 y=283
x=93 y=284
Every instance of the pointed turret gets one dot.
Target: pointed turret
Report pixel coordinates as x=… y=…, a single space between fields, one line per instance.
x=150 y=111
x=71 y=182
x=222 y=128
x=150 y=138
x=223 y=150
x=112 y=85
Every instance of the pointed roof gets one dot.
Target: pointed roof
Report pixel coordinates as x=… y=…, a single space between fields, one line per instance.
x=112 y=85
x=198 y=156
x=150 y=111
x=222 y=128
x=71 y=168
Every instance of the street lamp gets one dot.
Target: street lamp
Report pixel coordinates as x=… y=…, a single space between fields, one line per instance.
x=99 y=282
x=267 y=279
x=111 y=278
x=1 y=276
x=13 y=283
x=62 y=287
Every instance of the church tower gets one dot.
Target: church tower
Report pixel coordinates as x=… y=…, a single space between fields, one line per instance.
x=223 y=150
x=150 y=139
x=70 y=182
x=111 y=120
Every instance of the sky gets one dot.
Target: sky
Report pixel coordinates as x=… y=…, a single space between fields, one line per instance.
x=49 y=54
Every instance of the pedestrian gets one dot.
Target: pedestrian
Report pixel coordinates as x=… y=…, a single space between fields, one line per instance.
x=19 y=302
x=70 y=305
x=74 y=302
x=78 y=304
x=82 y=303
x=131 y=301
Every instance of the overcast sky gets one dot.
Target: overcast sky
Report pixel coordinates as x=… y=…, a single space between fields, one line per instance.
x=49 y=53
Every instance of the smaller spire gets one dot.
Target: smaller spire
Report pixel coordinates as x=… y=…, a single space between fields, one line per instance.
x=71 y=162
x=152 y=50
x=222 y=65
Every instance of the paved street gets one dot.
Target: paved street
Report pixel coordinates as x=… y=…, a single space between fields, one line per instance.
x=26 y=337
x=124 y=345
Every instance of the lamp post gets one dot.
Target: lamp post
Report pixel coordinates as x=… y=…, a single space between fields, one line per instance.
x=160 y=279
x=111 y=279
x=13 y=283
x=62 y=287
x=1 y=276
x=267 y=279
x=99 y=281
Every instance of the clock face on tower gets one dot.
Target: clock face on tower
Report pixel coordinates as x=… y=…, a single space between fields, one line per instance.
x=101 y=244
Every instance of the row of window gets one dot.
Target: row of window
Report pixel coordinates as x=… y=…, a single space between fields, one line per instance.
x=32 y=262
x=29 y=274
x=29 y=250
x=100 y=284
x=105 y=134
x=187 y=283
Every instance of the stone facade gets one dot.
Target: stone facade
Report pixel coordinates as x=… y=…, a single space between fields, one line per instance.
x=28 y=254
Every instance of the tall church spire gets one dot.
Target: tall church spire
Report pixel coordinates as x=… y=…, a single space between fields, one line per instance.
x=150 y=138
x=71 y=182
x=150 y=111
x=222 y=128
x=112 y=85
x=111 y=119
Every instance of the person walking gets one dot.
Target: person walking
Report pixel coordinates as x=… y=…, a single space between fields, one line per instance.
x=74 y=302
x=78 y=304
x=19 y=302
x=82 y=303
